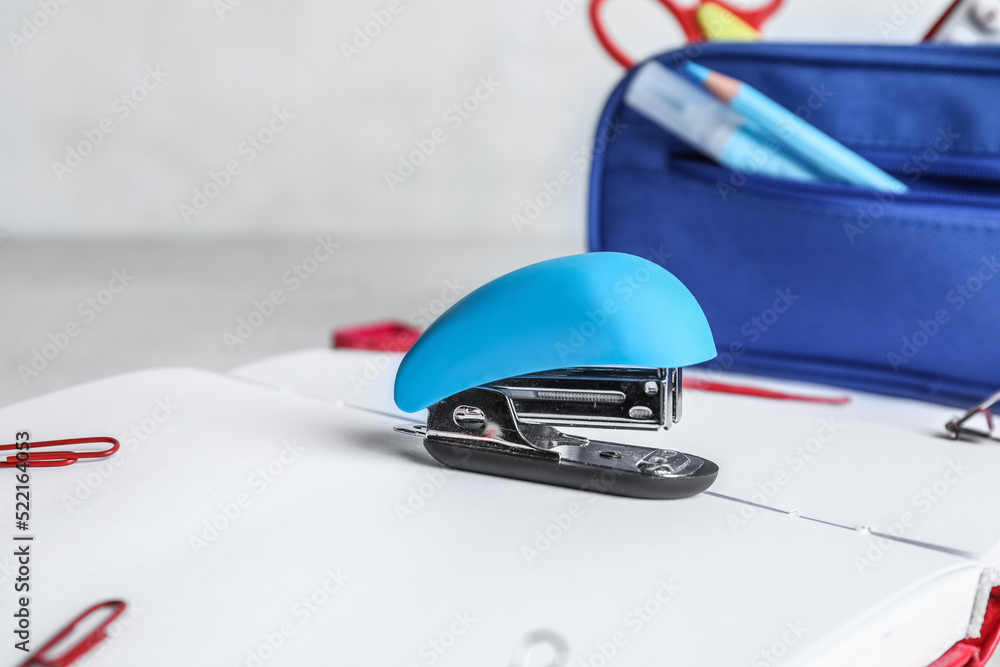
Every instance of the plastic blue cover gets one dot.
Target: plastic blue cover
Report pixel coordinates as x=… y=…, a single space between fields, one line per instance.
x=898 y=294
x=599 y=309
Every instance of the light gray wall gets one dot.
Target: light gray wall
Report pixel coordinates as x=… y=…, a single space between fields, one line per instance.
x=224 y=74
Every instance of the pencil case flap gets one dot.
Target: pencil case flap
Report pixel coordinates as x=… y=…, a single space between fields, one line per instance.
x=897 y=294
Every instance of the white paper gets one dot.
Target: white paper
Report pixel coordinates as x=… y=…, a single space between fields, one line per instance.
x=415 y=556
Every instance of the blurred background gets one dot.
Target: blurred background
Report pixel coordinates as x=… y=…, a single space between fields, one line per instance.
x=204 y=150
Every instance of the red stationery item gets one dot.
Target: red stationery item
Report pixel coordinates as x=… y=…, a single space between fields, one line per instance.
x=941 y=19
x=59 y=458
x=976 y=652
x=82 y=647
x=390 y=336
x=686 y=16
x=725 y=388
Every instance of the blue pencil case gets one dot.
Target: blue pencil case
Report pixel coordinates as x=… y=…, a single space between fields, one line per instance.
x=896 y=294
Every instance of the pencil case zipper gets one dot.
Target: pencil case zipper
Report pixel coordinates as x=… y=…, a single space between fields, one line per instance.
x=969 y=187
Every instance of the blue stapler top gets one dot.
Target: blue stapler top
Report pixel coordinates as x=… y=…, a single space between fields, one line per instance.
x=596 y=309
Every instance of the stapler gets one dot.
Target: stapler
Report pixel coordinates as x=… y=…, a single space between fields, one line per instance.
x=587 y=341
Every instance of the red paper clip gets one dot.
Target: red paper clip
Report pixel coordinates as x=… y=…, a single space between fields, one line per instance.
x=379 y=336
x=62 y=458
x=77 y=651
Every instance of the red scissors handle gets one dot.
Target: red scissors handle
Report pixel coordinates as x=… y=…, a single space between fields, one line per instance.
x=687 y=17
x=754 y=17
x=604 y=38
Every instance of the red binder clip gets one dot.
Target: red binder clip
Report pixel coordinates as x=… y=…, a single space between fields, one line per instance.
x=59 y=458
x=88 y=642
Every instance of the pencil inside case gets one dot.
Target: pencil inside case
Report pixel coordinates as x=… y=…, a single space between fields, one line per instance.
x=823 y=282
